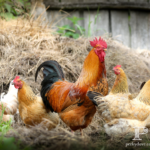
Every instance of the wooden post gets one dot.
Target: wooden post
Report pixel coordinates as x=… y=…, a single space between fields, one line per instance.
x=38 y=10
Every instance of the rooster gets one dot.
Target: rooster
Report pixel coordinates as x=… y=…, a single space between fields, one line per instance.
x=69 y=99
x=31 y=107
x=9 y=103
x=122 y=115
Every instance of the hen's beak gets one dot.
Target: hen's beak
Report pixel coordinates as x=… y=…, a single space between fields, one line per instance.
x=12 y=83
x=105 y=49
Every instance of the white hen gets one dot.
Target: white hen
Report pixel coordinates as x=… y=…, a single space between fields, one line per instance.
x=9 y=102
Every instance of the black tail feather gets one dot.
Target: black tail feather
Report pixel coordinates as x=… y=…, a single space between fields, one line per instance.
x=50 y=67
x=52 y=72
x=92 y=95
x=142 y=85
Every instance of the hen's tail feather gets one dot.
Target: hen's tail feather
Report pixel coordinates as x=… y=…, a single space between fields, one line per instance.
x=92 y=96
x=52 y=72
x=142 y=85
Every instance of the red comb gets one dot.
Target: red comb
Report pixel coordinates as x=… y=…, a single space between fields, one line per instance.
x=16 y=78
x=99 y=41
x=118 y=66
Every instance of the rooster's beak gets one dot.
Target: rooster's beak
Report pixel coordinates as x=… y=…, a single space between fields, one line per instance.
x=105 y=49
x=12 y=83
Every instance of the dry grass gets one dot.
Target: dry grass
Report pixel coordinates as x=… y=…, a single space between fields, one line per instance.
x=25 y=44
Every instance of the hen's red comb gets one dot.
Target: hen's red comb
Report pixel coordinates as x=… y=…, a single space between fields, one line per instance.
x=99 y=41
x=118 y=66
x=16 y=78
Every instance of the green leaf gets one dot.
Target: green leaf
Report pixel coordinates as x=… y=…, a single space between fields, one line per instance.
x=89 y=29
x=69 y=34
x=65 y=28
x=7 y=16
x=95 y=20
x=75 y=36
x=14 y=12
x=8 y=7
x=60 y=31
x=74 y=19
x=81 y=29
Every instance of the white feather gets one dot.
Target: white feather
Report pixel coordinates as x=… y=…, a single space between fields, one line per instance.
x=10 y=99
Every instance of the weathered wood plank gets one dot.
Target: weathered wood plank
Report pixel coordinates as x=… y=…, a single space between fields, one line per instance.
x=132 y=30
x=96 y=26
x=56 y=18
x=119 y=26
x=95 y=1
x=69 y=1
x=140 y=30
x=115 y=4
x=139 y=1
x=52 y=1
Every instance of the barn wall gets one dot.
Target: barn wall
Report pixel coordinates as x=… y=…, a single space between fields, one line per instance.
x=130 y=26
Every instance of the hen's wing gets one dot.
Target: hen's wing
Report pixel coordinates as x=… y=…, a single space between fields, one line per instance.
x=115 y=107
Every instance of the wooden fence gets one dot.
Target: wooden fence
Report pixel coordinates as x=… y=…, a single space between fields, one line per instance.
x=127 y=20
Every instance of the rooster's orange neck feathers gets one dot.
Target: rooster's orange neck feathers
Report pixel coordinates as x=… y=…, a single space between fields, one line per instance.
x=121 y=84
x=91 y=70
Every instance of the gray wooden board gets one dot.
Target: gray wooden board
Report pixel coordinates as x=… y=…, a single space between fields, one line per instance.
x=95 y=1
x=140 y=30
x=108 y=4
x=69 y=1
x=133 y=31
x=96 y=27
x=58 y=18
x=51 y=1
x=120 y=27
x=139 y=1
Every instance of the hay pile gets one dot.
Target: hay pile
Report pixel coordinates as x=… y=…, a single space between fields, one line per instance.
x=24 y=45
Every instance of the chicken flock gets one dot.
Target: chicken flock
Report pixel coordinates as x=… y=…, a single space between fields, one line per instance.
x=76 y=103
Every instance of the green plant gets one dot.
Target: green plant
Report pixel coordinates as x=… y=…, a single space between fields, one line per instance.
x=90 y=22
x=72 y=31
x=8 y=143
x=9 y=9
x=4 y=126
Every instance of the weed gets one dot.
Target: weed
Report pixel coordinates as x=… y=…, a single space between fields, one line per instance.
x=4 y=126
x=9 y=9
x=72 y=32
x=76 y=30
x=8 y=143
